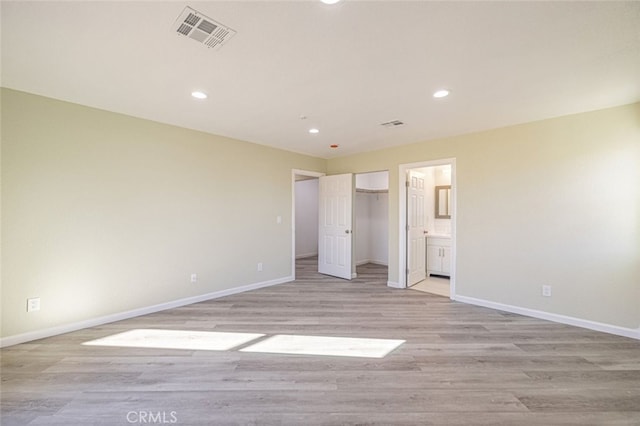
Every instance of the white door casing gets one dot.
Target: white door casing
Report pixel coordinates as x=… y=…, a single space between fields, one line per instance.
x=335 y=225
x=417 y=227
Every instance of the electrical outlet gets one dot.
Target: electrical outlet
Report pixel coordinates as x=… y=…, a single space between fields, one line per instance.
x=194 y=278
x=259 y=266
x=546 y=290
x=278 y=220
x=33 y=304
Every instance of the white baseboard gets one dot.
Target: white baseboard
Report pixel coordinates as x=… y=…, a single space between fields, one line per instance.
x=393 y=284
x=67 y=328
x=563 y=319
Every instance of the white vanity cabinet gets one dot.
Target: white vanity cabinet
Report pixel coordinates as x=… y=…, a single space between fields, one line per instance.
x=438 y=255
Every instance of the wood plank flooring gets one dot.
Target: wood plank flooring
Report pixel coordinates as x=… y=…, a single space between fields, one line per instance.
x=460 y=365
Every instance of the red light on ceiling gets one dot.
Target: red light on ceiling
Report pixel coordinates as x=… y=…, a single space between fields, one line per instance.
x=334 y=146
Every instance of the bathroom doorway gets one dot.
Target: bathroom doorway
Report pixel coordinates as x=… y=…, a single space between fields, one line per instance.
x=427 y=226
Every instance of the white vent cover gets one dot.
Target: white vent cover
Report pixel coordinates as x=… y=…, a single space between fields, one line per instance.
x=202 y=29
x=392 y=123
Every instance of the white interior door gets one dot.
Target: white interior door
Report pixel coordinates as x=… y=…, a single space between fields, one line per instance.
x=416 y=228
x=335 y=218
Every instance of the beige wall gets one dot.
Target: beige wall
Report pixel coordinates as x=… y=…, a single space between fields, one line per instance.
x=104 y=213
x=553 y=202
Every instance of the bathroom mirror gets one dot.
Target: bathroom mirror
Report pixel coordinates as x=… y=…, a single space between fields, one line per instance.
x=443 y=202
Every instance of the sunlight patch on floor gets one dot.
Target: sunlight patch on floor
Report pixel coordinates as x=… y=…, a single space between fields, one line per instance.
x=176 y=339
x=225 y=341
x=326 y=346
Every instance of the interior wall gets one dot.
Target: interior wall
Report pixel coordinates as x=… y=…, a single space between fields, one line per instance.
x=371 y=218
x=554 y=202
x=97 y=205
x=306 y=218
x=104 y=213
x=441 y=177
x=373 y=181
x=379 y=228
x=362 y=212
x=371 y=228
x=435 y=176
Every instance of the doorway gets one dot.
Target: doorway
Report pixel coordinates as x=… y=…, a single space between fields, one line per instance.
x=304 y=205
x=427 y=226
x=370 y=220
x=371 y=217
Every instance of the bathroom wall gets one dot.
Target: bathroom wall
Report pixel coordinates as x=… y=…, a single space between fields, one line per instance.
x=435 y=176
x=442 y=176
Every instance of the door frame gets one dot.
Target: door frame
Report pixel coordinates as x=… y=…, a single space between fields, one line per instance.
x=294 y=173
x=402 y=218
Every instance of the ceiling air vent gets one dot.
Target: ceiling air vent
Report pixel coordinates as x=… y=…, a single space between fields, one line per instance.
x=202 y=29
x=393 y=123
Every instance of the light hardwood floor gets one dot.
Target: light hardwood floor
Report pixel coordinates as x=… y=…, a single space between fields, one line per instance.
x=460 y=365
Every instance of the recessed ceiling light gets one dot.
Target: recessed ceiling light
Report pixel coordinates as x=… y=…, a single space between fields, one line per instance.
x=329 y=1
x=441 y=93
x=314 y=131
x=199 y=95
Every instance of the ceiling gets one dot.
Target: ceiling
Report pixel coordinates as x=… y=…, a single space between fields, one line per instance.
x=347 y=67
